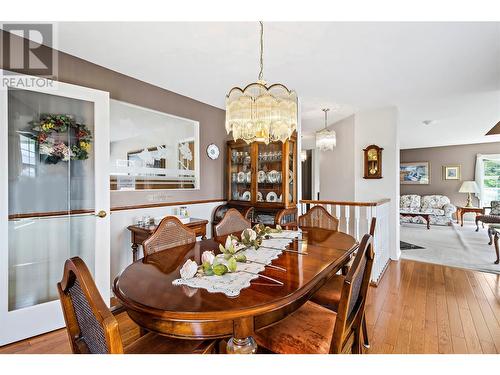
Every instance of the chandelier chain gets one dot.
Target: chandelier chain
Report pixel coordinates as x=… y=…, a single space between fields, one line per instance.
x=261 y=73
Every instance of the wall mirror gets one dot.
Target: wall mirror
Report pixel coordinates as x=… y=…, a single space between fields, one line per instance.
x=152 y=150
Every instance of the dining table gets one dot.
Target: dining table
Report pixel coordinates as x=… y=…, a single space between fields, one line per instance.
x=146 y=290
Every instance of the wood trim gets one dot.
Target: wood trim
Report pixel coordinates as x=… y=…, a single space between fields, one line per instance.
x=165 y=204
x=347 y=203
x=119 y=208
x=49 y=213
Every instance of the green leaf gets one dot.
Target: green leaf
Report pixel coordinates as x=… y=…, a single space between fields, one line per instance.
x=206 y=266
x=228 y=256
x=231 y=265
x=209 y=272
x=219 y=269
x=222 y=248
x=232 y=249
x=241 y=258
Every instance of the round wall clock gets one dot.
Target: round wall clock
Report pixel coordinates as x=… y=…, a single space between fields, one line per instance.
x=213 y=151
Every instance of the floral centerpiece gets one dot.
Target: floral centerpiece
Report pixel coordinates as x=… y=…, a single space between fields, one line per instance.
x=49 y=126
x=231 y=253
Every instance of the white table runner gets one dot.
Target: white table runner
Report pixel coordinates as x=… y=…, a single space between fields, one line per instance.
x=232 y=283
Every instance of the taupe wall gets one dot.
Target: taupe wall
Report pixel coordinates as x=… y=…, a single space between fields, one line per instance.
x=121 y=87
x=464 y=155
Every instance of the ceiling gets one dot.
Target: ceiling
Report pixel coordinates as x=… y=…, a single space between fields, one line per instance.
x=445 y=72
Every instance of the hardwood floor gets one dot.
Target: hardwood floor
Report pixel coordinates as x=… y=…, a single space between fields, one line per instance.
x=417 y=308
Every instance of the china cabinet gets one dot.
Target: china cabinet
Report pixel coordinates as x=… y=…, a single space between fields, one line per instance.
x=263 y=177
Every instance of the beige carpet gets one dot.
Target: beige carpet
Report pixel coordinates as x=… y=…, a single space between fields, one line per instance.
x=451 y=246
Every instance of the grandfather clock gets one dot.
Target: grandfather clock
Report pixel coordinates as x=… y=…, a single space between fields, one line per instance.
x=373 y=161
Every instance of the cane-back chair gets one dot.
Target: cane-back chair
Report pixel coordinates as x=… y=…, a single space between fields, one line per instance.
x=232 y=222
x=92 y=327
x=316 y=329
x=318 y=217
x=169 y=233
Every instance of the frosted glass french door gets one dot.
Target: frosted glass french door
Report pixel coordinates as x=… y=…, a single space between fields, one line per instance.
x=51 y=208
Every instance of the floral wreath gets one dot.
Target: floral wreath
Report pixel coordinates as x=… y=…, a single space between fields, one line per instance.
x=56 y=150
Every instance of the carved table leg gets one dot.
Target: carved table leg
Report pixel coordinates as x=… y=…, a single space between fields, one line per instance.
x=428 y=222
x=134 y=251
x=496 y=248
x=242 y=342
x=490 y=235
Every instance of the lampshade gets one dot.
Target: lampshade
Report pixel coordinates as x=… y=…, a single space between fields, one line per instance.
x=469 y=187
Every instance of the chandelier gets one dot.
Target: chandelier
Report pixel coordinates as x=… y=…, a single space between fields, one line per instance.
x=326 y=139
x=261 y=112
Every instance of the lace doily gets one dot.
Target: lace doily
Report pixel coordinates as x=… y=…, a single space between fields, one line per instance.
x=231 y=284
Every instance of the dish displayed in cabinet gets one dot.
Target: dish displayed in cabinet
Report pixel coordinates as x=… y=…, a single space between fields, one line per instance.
x=241 y=177
x=260 y=197
x=246 y=196
x=271 y=197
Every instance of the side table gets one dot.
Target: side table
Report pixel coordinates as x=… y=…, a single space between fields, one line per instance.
x=139 y=234
x=463 y=210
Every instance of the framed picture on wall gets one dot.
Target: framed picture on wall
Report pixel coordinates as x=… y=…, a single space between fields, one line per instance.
x=415 y=173
x=451 y=172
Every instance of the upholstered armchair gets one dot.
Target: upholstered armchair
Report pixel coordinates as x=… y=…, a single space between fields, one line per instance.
x=493 y=216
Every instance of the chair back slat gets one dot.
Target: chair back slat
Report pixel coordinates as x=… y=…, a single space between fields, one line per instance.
x=91 y=326
x=318 y=217
x=169 y=233
x=233 y=222
x=353 y=295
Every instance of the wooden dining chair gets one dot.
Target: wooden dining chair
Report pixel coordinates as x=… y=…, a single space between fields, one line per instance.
x=169 y=233
x=315 y=329
x=232 y=222
x=329 y=294
x=93 y=329
x=318 y=217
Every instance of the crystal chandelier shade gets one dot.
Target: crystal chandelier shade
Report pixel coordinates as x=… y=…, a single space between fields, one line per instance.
x=326 y=139
x=260 y=112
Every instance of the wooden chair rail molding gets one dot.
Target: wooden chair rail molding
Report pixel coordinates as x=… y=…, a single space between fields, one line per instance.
x=355 y=218
x=117 y=208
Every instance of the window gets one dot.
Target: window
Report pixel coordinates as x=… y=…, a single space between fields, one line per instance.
x=28 y=156
x=491 y=181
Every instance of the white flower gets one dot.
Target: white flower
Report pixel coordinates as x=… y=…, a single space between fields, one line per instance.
x=207 y=256
x=249 y=234
x=189 y=269
x=230 y=240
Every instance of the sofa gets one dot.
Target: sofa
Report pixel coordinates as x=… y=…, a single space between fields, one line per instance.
x=438 y=207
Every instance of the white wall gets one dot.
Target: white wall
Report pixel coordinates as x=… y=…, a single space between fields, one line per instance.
x=341 y=170
x=380 y=127
x=336 y=167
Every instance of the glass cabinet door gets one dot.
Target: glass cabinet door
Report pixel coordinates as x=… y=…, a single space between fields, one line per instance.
x=240 y=173
x=292 y=173
x=269 y=173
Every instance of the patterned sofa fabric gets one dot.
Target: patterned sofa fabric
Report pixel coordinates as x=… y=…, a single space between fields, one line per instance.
x=409 y=203
x=438 y=206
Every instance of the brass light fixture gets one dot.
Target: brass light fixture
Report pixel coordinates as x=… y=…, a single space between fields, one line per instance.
x=261 y=112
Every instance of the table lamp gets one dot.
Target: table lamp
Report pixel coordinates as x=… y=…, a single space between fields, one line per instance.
x=469 y=187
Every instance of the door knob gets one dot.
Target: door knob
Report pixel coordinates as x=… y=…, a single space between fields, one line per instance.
x=101 y=214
